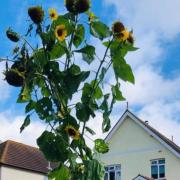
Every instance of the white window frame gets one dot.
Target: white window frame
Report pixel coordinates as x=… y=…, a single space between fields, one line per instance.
x=158 y=166
x=112 y=168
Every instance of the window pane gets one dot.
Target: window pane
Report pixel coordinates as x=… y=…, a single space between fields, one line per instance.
x=161 y=171
x=112 y=175
x=154 y=172
x=153 y=162
x=162 y=161
x=118 y=175
x=106 y=176
x=118 y=167
x=106 y=168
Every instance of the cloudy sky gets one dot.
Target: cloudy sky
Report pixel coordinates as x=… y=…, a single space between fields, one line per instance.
x=156 y=94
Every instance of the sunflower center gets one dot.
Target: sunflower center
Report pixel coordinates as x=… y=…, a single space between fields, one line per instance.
x=71 y=132
x=60 y=32
x=52 y=15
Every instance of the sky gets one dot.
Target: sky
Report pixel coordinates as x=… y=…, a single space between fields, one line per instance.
x=156 y=65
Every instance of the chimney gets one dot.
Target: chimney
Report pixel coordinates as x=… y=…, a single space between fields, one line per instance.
x=49 y=166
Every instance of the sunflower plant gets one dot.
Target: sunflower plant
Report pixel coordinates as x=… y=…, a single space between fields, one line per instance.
x=49 y=78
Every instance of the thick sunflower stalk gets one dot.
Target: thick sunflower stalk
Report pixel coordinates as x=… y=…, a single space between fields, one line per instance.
x=49 y=79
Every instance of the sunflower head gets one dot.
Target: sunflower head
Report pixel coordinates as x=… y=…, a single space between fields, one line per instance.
x=13 y=36
x=53 y=14
x=36 y=14
x=14 y=77
x=117 y=27
x=61 y=32
x=71 y=131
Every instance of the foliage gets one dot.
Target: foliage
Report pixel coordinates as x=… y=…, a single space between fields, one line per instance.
x=49 y=79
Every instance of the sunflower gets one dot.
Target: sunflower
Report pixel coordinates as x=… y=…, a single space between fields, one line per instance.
x=53 y=14
x=130 y=38
x=60 y=32
x=74 y=133
x=36 y=14
x=13 y=36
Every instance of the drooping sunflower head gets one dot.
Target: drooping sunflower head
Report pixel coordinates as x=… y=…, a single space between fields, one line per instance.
x=117 y=27
x=70 y=5
x=123 y=36
x=61 y=32
x=36 y=14
x=13 y=36
x=53 y=14
x=14 y=77
x=72 y=132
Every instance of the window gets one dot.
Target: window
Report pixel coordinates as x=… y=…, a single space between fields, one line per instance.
x=113 y=172
x=158 y=169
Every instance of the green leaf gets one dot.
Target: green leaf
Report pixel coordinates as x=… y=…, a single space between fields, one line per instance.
x=106 y=125
x=82 y=112
x=88 y=53
x=26 y=123
x=117 y=94
x=57 y=51
x=25 y=94
x=79 y=35
x=40 y=57
x=97 y=92
x=61 y=173
x=44 y=108
x=99 y=30
x=101 y=146
x=90 y=130
x=54 y=147
x=123 y=70
x=30 y=106
x=104 y=105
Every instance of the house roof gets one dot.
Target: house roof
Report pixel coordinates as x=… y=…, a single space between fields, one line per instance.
x=144 y=177
x=22 y=156
x=160 y=137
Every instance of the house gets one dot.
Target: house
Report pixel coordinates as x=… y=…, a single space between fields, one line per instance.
x=139 y=152
x=22 y=162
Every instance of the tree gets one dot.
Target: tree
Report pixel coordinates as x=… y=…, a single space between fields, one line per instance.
x=49 y=79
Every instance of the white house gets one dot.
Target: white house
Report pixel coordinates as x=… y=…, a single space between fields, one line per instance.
x=139 y=152
x=22 y=162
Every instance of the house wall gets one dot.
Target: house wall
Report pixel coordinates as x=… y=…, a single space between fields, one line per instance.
x=9 y=173
x=133 y=148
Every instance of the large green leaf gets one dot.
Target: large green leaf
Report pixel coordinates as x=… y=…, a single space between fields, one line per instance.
x=79 y=35
x=88 y=53
x=61 y=173
x=57 y=51
x=97 y=90
x=53 y=146
x=101 y=146
x=99 y=30
x=26 y=123
x=40 y=58
x=123 y=70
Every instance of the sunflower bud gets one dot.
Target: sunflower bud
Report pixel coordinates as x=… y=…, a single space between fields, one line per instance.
x=13 y=36
x=36 y=14
x=82 y=5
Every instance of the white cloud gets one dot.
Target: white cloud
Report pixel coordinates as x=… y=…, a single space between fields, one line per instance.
x=10 y=129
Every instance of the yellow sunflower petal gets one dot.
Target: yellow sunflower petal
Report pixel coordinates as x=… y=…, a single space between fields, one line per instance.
x=74 y=133
x=124 y=35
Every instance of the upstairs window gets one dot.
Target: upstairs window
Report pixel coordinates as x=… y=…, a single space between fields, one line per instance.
x=158 y=169
x=113 y=172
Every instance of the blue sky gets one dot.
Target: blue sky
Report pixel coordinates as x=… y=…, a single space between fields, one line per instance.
x=156 y=94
